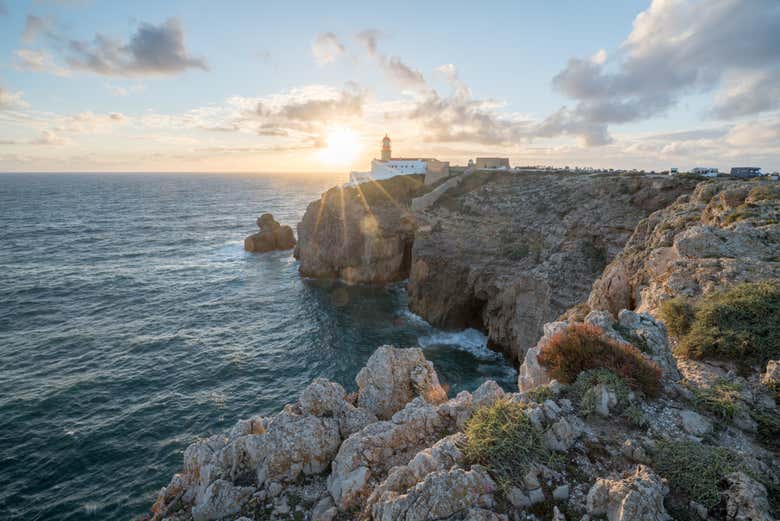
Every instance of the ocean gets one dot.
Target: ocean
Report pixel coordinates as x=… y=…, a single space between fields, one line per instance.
x=132 y=322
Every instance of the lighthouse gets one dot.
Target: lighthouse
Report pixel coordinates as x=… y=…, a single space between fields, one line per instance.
x=386 y=148
x=388 y=167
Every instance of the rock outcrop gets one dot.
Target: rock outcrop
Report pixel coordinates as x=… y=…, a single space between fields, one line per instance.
x=329 y=456
x=638 y=497
x=724 y=233
x=507 y=253
x=272 y=236
x=360 y=234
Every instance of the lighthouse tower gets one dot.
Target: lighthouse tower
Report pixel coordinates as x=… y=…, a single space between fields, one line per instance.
x=386 y=148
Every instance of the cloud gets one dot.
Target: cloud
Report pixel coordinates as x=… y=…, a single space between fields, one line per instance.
x=327 y=48
x=37 y=61
x=126 y=90
x=307 y=111
x=11 y=100
x=676 y=47
x=152 y=50
x=393 y=67
x=49 y=138
x=35 y=26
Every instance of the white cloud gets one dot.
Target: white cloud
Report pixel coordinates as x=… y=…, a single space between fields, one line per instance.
x=326 y=48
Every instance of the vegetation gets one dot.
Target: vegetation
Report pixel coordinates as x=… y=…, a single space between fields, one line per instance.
x=741 y=324
x=768 y=427
x=695 y=470
x=764 y=193
x=678 y=314
x=635 y=416
x=586 y=381
x=501 y=438
x=540 y=394
x=721 y=399
x=634 y=339
x=582 y=347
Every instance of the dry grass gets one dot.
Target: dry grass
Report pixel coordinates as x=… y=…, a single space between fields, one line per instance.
x=583 y=347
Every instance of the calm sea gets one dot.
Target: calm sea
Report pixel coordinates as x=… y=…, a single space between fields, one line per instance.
x=132 y=322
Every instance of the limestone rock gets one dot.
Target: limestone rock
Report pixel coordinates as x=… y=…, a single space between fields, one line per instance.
x=272 y=236
x=746 y=499
x=360 y=234
x=694 y=423
x=392 y=377
x=440 y=495
x=221 y=499
x=771 y=377
x=365 y=457
x=298 y=444
x=443 y=455
x=639 y=497
x=722 y=235
x=531 y=374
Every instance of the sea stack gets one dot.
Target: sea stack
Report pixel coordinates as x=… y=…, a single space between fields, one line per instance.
x=272 y=236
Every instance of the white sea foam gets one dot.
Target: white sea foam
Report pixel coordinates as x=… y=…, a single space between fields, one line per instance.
x=469 y=340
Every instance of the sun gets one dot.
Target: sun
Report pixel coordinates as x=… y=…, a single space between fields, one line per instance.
x=342 y=146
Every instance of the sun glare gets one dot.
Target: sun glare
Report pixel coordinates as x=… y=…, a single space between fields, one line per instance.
x=342 y=146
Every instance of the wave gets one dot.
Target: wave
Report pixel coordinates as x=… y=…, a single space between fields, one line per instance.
x=469 y=340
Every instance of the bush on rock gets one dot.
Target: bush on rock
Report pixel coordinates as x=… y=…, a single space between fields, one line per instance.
x=583 y=347
x=501 y=438
x=741 y=324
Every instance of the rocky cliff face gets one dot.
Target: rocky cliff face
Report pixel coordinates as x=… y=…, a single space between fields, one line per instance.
x=506 y=253
x=724 y=233
x=360 y=234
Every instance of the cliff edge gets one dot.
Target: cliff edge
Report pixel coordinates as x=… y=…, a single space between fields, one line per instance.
x=360 y=234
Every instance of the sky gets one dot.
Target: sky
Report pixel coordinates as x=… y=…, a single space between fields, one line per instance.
x=203 y=86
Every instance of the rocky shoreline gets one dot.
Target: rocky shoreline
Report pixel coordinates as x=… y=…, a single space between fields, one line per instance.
x=629 y=406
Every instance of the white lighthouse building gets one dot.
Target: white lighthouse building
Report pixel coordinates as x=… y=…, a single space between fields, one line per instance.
x=388 y=167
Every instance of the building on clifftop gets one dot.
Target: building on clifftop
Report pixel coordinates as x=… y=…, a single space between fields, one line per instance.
x=492 y=163
x=389 y=166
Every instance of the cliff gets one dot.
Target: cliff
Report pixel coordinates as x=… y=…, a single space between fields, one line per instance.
x=506 y=253
x=724 y=233
x=500 y=252
x=360 y=234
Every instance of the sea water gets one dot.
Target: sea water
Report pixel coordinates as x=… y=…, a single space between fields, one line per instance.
x=132 y=322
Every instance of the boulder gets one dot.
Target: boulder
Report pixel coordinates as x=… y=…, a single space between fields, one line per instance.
x=440 y=495
x=221 y=499
x=365 y=457
x=694 y=423
x=638 y=497
x=746 y=499
x=771 y=377
x=392 y=377
x=272 y=236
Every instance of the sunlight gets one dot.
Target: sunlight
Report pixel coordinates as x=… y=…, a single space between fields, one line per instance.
x=342 y=146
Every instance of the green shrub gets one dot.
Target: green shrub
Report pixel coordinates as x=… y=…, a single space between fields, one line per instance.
x=540 y=394
x=635 y=416
x=677 y=314
x=695 y=470
x=582 y=347
x=501 y=438
x=764 y=193
x=720 y=399
x=741 y=324
x=587 y=380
